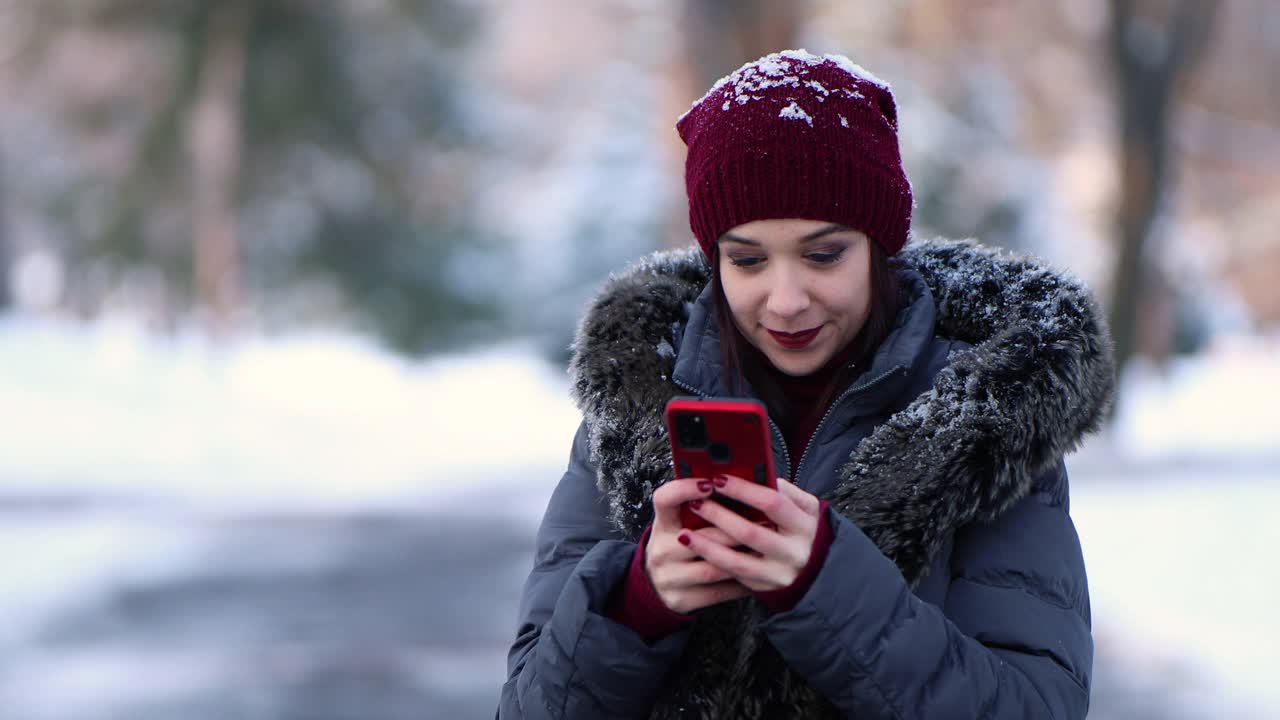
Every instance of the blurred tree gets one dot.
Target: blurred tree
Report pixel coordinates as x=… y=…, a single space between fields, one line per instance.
x=1153 y=46
x=722 y=35
x=971 y=175
x=215 y=141
x=326 y=134
x=6 y=296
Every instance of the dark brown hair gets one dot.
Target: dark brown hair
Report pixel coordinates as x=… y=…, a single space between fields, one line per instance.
x=740 y=360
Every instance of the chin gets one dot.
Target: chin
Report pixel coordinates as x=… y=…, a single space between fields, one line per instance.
x=797 y=366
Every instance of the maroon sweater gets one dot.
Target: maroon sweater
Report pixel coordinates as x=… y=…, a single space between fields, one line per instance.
x=636 y=604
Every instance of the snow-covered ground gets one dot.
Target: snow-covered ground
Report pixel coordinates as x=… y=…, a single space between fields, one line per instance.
x=312 y=422
x=1222 y=407
x=1173 y=505
x=1183 y=582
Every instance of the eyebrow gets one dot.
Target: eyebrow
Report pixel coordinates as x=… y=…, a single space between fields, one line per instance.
x=815 y=235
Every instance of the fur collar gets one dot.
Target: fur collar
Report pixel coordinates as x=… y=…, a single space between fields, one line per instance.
x=1038 y=377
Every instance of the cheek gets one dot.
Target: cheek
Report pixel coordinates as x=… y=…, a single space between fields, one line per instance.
x=863 y=299
x=739 y=298
x=853 y=304
x=740 y=310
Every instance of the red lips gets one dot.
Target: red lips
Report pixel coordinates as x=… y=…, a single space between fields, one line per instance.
x=795 y=341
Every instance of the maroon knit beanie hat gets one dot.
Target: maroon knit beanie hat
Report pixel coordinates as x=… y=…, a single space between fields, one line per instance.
x=794 y=135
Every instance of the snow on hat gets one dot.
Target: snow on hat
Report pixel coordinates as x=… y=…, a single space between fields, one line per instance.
x=794 y=135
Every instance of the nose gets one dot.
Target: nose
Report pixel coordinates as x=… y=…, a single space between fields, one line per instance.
x=788 y=297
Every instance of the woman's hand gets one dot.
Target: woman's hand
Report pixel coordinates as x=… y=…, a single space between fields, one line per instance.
x=779 y=554
x=684 y=581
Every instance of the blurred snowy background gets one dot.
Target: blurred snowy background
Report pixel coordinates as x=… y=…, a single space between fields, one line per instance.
x=286 y=290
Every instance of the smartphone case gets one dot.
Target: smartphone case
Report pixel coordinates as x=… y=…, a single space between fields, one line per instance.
x=721 y=437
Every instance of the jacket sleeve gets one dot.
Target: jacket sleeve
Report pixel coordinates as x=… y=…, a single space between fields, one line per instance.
x=1012 y=639
x=569 y=660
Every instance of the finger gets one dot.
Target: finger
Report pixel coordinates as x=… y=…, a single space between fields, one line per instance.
x=707 y=595
x=802 y=499
x=717 y=535
x=669 y=496
x=678 y=577
x=742 y=531
x=750 y=570
x=667 y=546
x=777 y=507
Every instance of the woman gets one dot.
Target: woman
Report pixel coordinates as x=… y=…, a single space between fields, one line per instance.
x=923 y=562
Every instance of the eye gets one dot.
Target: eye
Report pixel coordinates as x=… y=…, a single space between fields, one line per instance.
x=825 y=258
x=744 y=261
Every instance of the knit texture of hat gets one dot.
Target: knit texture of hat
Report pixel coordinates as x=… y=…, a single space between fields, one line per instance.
x=794 y=135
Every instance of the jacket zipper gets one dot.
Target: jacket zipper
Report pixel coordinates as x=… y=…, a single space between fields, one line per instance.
x=795 y=479
x=777 y=434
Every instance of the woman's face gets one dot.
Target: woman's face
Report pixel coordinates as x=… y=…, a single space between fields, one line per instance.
x=798 y=290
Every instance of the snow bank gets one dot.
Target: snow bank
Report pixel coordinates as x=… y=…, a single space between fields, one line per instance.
x=305 y=421
x=325 y=420
x=1221 y=405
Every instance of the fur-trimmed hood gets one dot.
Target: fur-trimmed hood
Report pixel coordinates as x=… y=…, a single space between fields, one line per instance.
x=1038 y=376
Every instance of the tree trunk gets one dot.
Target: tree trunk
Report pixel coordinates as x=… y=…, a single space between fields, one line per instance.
x=215 y=141
x=1151 y=53
x=721 y=35
x=6 y=255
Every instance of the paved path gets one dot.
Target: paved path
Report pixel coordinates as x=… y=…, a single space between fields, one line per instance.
x=360 y=617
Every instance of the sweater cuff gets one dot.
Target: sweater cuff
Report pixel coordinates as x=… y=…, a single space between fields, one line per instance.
x=786 y=598
x=635 y=602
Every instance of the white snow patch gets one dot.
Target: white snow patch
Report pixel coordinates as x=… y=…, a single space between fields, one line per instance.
x=857 y=70
x=794 y=112
x=817 y=86
x=772 y=65
x=783 y=68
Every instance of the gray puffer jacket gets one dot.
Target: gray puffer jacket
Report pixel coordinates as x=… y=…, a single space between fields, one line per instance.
x=955 y=585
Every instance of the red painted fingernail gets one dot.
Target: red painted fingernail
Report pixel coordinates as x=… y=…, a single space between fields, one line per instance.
x=721 y=481
x=695 y=504
x=704 y=486
x=684 y=539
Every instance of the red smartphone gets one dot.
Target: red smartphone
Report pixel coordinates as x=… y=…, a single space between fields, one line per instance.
x=721 y=437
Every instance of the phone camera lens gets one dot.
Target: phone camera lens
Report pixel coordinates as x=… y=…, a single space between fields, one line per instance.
x=690 y=431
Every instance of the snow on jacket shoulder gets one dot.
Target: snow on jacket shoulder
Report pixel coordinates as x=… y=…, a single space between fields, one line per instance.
x=954 y=587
